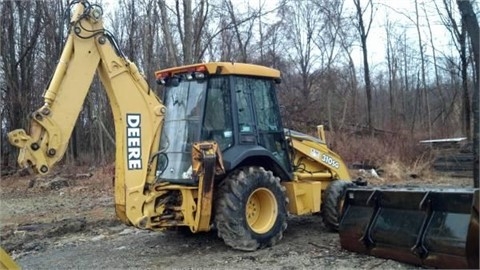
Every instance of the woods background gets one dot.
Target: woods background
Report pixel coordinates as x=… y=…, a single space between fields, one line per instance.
x=375 y=111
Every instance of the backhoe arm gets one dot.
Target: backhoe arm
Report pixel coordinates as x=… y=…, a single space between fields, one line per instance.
x=137 y=111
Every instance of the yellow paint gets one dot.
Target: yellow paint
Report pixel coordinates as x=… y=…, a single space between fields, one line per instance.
x=192 y=207
x=304 y=197
x=310 y=154
x=317 y=167
x=261 y=210
x=225 y=68
x=6 y=262
x=321 y=133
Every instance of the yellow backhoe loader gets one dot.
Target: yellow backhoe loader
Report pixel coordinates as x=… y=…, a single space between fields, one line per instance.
x=212 y=153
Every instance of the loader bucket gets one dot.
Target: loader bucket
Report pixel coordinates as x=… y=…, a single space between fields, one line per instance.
x=427 y=227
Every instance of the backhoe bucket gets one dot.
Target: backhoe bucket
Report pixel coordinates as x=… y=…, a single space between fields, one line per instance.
x=428 y=227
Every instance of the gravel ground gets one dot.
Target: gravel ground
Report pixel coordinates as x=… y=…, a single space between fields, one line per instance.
x=68 y=222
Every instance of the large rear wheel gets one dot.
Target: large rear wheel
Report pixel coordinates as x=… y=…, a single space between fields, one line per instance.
x=332 y=203
x=250 y=210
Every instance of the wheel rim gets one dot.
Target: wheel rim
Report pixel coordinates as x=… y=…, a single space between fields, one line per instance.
x=261 y=210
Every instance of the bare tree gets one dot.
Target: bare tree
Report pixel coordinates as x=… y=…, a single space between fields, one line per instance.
x=422 y=82
x=392 y=65
x=243 y=38
x=458 y=33
x=22 y=28
x=173 y=58
x=328 y=42
x=189 y=22
x=300 y=23
x=471 y=23
x=438 y=87
x=363 y=31
x=346 y=44
x=150 y=53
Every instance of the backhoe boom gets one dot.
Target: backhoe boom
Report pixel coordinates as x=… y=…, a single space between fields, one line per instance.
x=137 y=111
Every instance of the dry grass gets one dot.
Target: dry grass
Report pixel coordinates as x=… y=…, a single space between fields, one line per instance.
x=397 y=171
x=397 y=157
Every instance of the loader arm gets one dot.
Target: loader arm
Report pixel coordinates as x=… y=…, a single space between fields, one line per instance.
x=137 y=112
x=313 y=158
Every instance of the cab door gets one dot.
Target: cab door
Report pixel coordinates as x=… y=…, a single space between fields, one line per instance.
x=263 y=115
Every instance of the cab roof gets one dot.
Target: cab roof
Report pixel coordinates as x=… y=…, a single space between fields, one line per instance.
x=224 y=68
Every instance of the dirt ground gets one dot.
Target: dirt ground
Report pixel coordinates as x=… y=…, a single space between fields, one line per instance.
x=67 y=221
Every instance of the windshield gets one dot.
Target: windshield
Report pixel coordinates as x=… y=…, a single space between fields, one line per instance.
x=184 y=104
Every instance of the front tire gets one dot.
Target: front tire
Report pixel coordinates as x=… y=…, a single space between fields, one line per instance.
x=251 y=209
x=332 y=203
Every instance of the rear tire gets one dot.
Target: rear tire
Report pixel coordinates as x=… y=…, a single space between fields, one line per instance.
x=332 y=203
x=251 y=209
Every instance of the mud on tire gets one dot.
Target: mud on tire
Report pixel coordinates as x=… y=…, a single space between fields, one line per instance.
x=332 y=202
x=231 y=209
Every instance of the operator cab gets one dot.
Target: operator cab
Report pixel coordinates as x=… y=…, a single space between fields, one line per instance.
x=234 y=105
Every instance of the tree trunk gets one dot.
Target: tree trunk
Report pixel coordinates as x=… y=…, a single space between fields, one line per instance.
x=172 y=56
x=437 y=76
x=188 y=32
x=366 y=74
x=423 y=89
x=471 y=24
x=466 y=119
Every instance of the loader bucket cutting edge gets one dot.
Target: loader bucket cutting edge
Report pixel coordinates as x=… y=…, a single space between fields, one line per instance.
x=427 y=227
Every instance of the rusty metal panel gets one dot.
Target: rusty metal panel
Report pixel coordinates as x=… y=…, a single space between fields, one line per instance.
x=428 y=227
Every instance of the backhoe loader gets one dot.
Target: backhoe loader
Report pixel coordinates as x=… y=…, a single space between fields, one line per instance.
x=211 y=154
